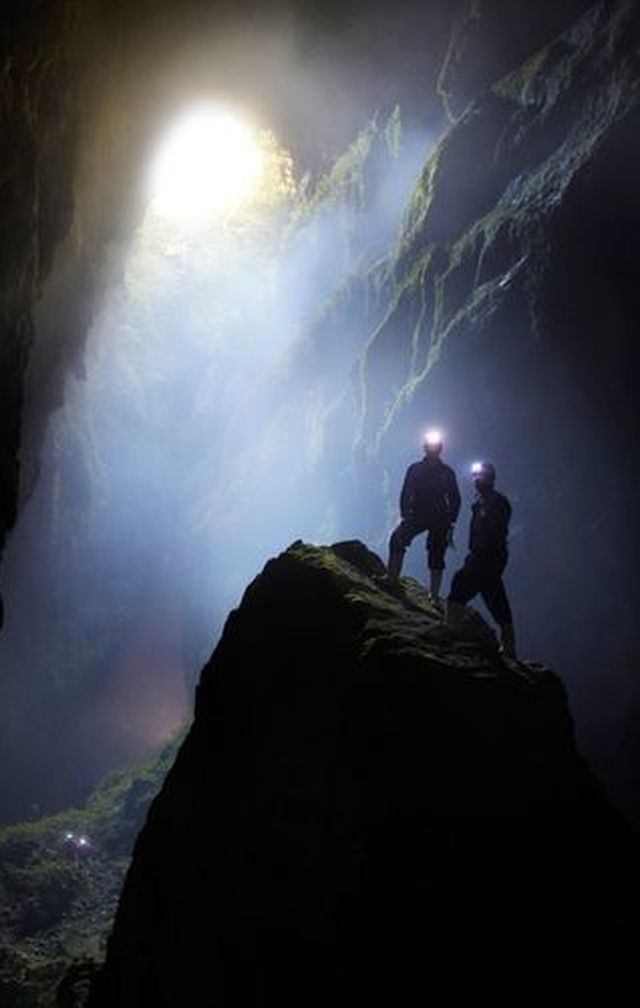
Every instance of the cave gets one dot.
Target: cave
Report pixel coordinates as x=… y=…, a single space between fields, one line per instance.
x=250 y=253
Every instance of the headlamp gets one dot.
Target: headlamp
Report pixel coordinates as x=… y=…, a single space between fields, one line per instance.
x=433 y=438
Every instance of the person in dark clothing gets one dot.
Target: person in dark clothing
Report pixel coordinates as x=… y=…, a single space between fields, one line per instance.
x=429 y=502
x=487 y=557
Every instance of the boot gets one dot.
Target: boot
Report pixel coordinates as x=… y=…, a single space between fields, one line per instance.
x=507 y=640
x=436 y=582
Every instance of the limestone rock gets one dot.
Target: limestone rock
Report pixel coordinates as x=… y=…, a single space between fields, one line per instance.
x=365 y=805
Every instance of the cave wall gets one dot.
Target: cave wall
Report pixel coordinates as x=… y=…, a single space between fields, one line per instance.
x=490 y=38
x=84 y=86
x=35 y=197
x=84 y=90
x=512 y=310
x=67 y=120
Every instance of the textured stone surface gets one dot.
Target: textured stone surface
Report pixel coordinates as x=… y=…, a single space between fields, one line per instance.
x=492 y=37
x=68 y=175
x=366 y=802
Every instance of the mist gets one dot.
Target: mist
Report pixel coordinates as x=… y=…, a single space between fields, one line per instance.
x=218 y=414
x=186 y=453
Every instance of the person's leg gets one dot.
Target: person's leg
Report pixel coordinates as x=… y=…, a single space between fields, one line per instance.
x=465 y=584
x=435 y=583
x=436 y=548
x=401 y=538
x=496 y=600
x=508 y=640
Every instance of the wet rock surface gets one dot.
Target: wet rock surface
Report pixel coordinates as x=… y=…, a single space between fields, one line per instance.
x=367 y=802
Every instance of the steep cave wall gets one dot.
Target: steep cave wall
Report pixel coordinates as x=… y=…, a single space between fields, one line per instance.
x=510 y=315
x=76 y=121
x=491 y=38
x=77 y=118
x=71 y=124
x=36 y=195
x=550 y=152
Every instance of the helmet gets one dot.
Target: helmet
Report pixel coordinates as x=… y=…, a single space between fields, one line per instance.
x=483 y=470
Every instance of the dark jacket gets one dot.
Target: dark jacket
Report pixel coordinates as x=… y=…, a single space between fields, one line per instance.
x=430 y=493
x=490 y=516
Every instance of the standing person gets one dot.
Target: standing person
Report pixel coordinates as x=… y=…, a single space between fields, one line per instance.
x=487 y=557
x=429 y=502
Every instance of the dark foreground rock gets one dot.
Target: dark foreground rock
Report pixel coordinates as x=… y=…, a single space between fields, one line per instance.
x=370 y=811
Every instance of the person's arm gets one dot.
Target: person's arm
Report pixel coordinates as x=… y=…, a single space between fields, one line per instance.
x=496 y=523
x=407 y=494
x=505 y=517
x=455 y=501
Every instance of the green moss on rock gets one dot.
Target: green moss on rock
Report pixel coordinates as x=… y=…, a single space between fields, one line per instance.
x=56 y=903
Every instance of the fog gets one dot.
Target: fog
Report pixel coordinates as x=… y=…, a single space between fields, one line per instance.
x=186 y=454
x=216 y=417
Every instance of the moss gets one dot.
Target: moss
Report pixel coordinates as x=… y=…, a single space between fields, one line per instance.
x=393 y=132
x=449 y=73
x=402 y=619
x=418 y=208
x=346 y=186
x=57 y=902
x=343 y=185
x=522 y=83
x=476 y=229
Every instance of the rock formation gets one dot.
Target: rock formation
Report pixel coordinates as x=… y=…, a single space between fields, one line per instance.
x=368 y=806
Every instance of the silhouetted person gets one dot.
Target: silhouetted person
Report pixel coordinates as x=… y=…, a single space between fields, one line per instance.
x=487 y=557
x=429 y=502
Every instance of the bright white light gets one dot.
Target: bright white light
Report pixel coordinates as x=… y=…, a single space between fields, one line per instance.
x=433 y=438
x=476 y=468
x=210 y=162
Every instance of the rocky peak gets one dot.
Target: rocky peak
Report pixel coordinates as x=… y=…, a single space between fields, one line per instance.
x=366 y=802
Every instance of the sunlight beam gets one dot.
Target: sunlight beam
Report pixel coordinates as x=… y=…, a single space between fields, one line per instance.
x=209 y=163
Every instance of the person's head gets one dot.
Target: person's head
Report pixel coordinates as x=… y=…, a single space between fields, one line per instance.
x=483 y=475
x=433 y=444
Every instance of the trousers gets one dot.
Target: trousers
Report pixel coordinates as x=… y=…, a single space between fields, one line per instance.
x=482 y=575
x=409 y=528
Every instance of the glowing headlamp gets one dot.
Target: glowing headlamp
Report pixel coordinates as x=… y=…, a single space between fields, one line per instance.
x=477 y=469
x=433 y=438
